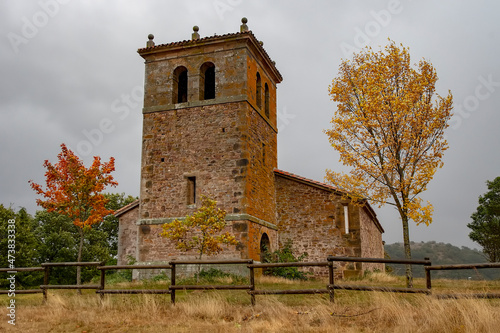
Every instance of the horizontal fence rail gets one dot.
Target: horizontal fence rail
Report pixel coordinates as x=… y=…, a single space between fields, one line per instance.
x=290 y=264
x=426 y=263
x=79 y=287
x=328 y=290
x=102 y=285
x=382 y=289
x=463 y=266
x=251 y=287
x=46 y=268
x=173 y=287
x=22 y=269
x=67 y=264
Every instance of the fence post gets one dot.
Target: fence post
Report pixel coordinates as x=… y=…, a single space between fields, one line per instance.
x=172 y=282
x=428 y=276
x=331 y=281
x=252 y=285
x=45 y=282
x=103 y=282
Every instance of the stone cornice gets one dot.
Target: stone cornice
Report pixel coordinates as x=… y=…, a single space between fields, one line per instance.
x=216 y=101
x=229 y=217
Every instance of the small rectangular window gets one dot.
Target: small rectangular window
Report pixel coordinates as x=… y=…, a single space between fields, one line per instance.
x=191 y=190
x=264 y=153
x=346 y=219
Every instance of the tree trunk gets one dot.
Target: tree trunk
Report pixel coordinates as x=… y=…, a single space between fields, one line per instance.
x=406 y=241
x=199 y=268
x=79 y=259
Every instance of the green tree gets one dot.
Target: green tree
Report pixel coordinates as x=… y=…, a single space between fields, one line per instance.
x=485 y=223
x=59 y=240
x=108 y=228
x=389 y=129
x=58 y=243
x=23 y=241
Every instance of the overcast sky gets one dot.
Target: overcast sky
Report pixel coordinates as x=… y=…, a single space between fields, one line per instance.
x=70 y=72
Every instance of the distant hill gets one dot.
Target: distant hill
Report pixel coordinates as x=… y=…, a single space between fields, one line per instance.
x=442 y=254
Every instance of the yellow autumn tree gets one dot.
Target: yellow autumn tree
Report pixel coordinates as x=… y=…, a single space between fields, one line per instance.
x=389 y=129
x=201 y=231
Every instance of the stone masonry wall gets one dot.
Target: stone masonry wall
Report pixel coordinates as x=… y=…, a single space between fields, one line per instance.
x=127 y=236
x=155 y=248
x=203 y=142
x=230 y=73
x=371 y=241
x=308 y=216
x=253 y=67
x=261 y=147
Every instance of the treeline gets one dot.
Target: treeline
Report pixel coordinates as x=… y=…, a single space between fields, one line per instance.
x=51 y=237
x=442 y=254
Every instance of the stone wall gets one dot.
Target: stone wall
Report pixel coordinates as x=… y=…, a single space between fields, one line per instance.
x=202 y=142
x=261 y=149
x=127 y=236
x=308 y=216
x=155 y=248
x=311 y=214
x=371 y=240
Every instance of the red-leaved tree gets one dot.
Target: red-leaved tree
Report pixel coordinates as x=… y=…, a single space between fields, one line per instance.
x=75 y=191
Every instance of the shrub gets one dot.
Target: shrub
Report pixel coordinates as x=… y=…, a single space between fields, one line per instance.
x=212 y=274
x=285 y=254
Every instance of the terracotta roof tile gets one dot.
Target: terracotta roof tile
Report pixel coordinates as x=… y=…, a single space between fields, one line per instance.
x=304 y=179
x=196 y=41
x=126 y=208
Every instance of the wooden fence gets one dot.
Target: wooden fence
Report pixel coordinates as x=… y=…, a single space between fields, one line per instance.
x=328 y=290
x=102 y=285
x=173 y=286
x=426 y=263
x=251 y=287
x=428 y=270
x=23 y=269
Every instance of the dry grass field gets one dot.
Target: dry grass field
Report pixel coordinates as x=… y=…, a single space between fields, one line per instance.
x=230 y=311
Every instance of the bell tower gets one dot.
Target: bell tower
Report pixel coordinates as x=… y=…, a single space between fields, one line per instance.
x=209 y=128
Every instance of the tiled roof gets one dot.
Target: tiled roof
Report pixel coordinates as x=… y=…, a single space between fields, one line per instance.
x=306 y=180
x=196 y=41
x=126 y=208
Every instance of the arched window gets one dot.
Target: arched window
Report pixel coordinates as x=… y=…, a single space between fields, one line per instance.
x=265 y=245
x=266 y=100
x=180 y=85
x=207 y=81
x=259 y=91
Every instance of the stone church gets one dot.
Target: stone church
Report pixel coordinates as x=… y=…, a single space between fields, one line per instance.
x=210 y=128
